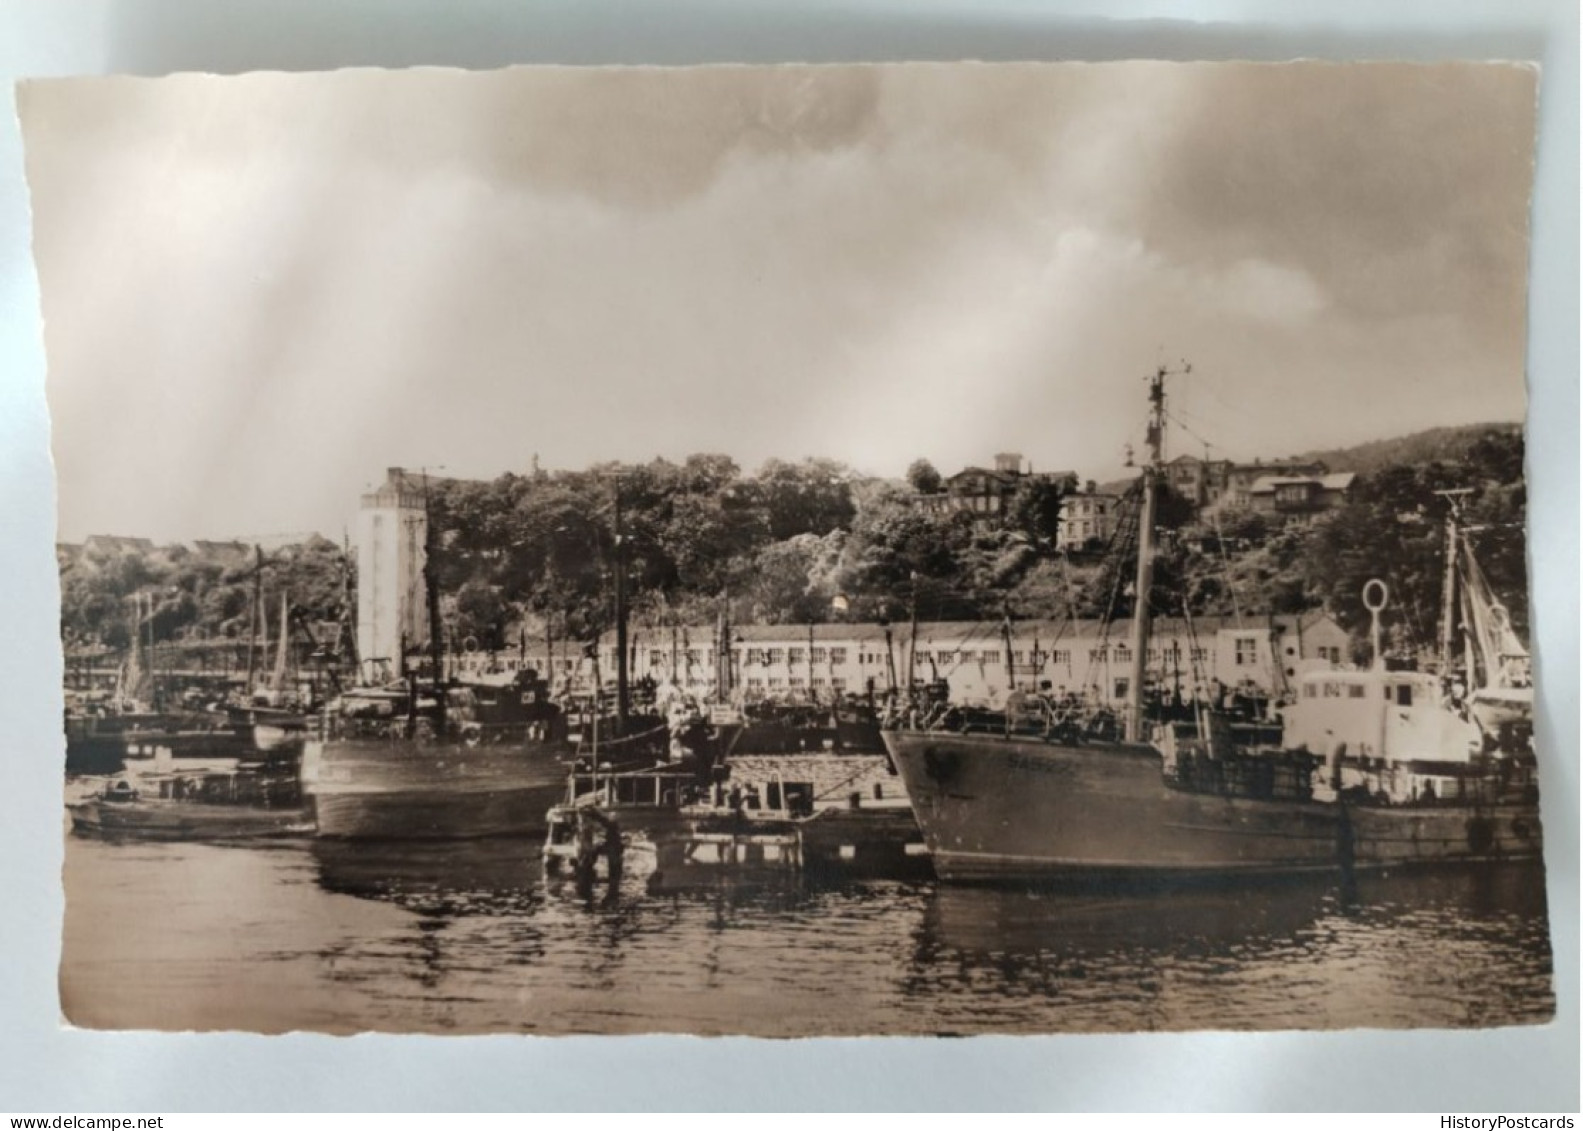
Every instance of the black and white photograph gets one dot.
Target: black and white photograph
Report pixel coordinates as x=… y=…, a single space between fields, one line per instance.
x=794 y=551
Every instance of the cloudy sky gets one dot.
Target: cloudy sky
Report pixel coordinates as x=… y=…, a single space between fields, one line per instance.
x=261 y=291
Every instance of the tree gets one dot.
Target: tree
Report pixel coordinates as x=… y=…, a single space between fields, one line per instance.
x=811 y=497
x=924 y=478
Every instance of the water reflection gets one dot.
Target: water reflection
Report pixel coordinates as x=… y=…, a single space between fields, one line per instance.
x=473 y=937
x=1445 y=947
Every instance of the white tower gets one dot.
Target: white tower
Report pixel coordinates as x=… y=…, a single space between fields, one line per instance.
x=392 y=528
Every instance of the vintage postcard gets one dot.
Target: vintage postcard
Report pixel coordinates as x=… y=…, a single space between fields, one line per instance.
x=794 y=551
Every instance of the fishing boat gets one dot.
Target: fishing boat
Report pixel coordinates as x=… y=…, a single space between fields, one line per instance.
x=1371 y=769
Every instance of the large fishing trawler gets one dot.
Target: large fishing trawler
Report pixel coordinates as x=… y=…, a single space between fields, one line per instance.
x=1371 y=769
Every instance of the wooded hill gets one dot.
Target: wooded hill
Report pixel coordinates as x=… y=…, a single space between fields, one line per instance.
x=520 y=554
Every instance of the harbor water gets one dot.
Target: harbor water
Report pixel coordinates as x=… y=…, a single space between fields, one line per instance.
x=469 y=937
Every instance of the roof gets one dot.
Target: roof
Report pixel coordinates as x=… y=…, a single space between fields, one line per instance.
x=963 y=634
x=1339 y=481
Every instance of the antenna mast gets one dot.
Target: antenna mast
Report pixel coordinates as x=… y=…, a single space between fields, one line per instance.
x=1145 y=578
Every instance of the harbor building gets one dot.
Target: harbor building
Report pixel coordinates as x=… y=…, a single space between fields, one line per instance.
x=392 y=528
x=980 y=661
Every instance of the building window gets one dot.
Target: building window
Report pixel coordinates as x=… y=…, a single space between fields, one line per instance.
x=1247 y=650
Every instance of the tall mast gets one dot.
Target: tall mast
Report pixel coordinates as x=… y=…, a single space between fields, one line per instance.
x=255 y=619
x=1145 y=579
x=1448 y=590
x=912 y=634
x=348 y=602
x=431 y=586
x=1011 y=668
x=621 y=617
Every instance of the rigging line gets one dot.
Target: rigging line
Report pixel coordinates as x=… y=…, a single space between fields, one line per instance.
x=1180 y=423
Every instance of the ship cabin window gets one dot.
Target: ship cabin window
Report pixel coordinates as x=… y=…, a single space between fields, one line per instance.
x=1247 y=650
x=1063 y=657
x=921 y=657
x=796 y=681
x=947 y=657
x=693 y=656
x=656 y=657
x=1332 y=691
x=1356 y=691
x=774 y=655
x=818 y=681
x=989 y=657
x=755 y=655
x=1096 y=655
x=1123 y=655
x=837 y=655
x=795 y=656
x=1310 y=691
x=777 y=681
x=755 y=683
x=1121 y=689
x=1404 y=695
x=838 y=683
x=819 y=655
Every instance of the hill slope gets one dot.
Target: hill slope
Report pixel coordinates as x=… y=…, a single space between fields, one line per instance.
x=1443 y=444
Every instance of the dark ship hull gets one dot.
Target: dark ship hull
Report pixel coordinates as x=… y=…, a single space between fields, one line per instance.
x=412 y=790
x=1008 y=810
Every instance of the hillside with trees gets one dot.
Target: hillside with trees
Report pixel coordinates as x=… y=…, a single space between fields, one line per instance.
x=530 y=554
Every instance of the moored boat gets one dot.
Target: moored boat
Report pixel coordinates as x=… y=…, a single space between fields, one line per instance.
x=205 y=807
x=1372 y=769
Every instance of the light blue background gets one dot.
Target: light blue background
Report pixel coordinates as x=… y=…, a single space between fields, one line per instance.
x=47 y=1068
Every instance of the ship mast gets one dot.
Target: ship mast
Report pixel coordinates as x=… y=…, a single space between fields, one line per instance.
x=431 y=585
x=1449 y=584
x=621 y=618
x=1145 y=579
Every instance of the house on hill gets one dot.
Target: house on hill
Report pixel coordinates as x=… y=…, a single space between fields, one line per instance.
x=1088 y=518
x=1299 y=499
x=987 y=492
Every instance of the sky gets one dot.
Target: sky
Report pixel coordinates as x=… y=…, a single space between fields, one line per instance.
x=260 y=291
